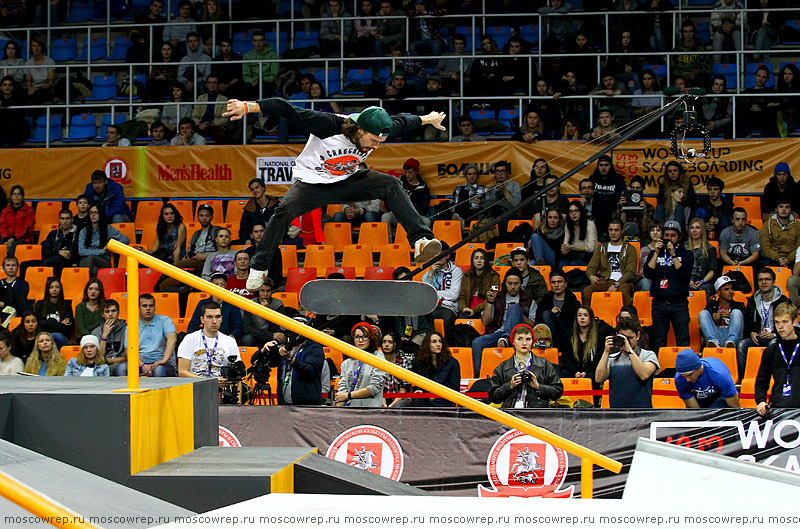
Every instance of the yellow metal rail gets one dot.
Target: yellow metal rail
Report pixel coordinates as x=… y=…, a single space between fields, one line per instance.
x=588 y=457
x=40 y=505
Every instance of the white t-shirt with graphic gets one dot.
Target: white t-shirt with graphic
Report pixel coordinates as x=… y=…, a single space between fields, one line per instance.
x=208 y=357
x=613 y=260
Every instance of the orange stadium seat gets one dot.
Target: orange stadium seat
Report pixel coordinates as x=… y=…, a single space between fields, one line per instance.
x=122 y=299
x=288 y=257
x=375 y=234
x=746 y=270
x=148 y=238
x=492 y=357
x=246 y=354
x=113 y=280
x=129 y=230
x=395 y=256
x=550 y=354
x=606 y=306
x=168 y=304
x=74 y=280
x=504 y=248
x=578 y=389
x=665 y=395
x=338 y=235
x=28 y=252
x=514 y=223
x=728 y=357
x=464 y=357
x=472 y=322
x=147 y=212
x=753 y=362
x=358 y=256
x=448 y=231
x=70 y=351
x=36 y=276
x=47 y=213
x=782 y=275
x=332 y=209
x=667 y=357
x=191 y=303
x=234 y=211
x=45 y=231
x=751 y=204
x=464 y=254
x=319 y=256
x=289 y=299
x=185 y=208
x=401 y=237
x=644 y=306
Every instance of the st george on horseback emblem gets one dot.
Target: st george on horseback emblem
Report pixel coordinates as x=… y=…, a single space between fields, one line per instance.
x=522 y=465
x=369 y=448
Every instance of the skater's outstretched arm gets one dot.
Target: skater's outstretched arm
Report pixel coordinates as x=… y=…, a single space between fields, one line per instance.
x=320 y=124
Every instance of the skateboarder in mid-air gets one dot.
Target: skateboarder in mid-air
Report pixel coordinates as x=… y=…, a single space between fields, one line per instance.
x=326 y=172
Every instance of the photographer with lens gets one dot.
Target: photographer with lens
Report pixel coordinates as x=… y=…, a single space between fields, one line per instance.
x=525 y=380
x=299 y=368
x=628 y=368
x=207 y=352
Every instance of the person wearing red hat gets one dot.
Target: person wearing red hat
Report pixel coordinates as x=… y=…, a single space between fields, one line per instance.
x=327 y=171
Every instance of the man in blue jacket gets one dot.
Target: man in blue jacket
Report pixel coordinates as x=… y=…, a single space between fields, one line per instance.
x=110 y=195
x=705 y=383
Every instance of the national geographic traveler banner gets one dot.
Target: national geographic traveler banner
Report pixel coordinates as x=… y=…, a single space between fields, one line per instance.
x=210 y=171
x=457 y=452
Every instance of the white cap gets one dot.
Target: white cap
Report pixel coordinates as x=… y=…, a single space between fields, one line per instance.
x=722 y=281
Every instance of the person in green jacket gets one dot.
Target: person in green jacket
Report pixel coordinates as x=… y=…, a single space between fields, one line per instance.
x=692 y=66
x=262 y=51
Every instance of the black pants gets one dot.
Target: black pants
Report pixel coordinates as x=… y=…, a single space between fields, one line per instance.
x=676 y=312
x=363 y=185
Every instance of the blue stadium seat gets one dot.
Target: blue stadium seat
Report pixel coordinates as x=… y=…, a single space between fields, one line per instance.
x=794 y=24
x=40 y=131
x=500 y=34
x=659 y=69
x=104 y=87
x=384 y=74
x=140 y=6
x=299 y=95
x=473 y=36
x=82 y=127
x=242 y=43
x=482 y=114
x=508 y=117
x=97 y=46
x=530 y=34
x=750 y=74
x=703 y=31
x=303 y=39
x=105 y=121
x=779 y=67
x=121 y=46
x=138 y=78
x=287 y=6
x=357 y=76
x=334 y=84
x=280 y=44
x=64 y=50
x=729 y=71
x=80 y=12
x=576 y=4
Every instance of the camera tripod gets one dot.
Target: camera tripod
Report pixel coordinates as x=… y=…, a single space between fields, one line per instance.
x=258 y=395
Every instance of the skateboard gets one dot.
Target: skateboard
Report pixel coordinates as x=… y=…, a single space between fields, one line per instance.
x=359 y=296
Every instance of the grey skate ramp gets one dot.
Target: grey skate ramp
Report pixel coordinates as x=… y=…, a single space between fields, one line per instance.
x=98 y=500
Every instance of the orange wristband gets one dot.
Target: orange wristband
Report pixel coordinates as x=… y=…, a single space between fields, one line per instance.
x=246 y=107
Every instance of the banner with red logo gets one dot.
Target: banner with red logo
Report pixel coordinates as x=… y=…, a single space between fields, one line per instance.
x=458 y=452
x=225 y=170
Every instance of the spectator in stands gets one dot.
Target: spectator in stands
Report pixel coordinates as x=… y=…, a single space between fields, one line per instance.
x=532 y=129
x=547 y=107
x=435 y=362
x=675 y=208
x=651 y=86
x=756 y=110
x=12 y=62
x=81 y=218
x=717 y=111
x=669 y=269
x=15 y=289
x=780 y=235
x=636 y=221
x=608 y=188
x=231 y=316
x=9 y=364
x=179 y=27
x=582 y=59
x=642 y=283
x=227 y=68
x=112 y=334
x=445 y=277
x=705 y=258
x=559 y=28
x=260 y=78
x=508 y=387
x=24 y=334
x=114 y=137
x=456 y=66
x=17 y=221
x=588 y=336
x=187 y=134
x=12 y=13
x=552 y=199
x=656 y=25
x=539 y=170
x=16 y=129
x=416 y=188
x=629 y=369
x=586 y=189
x=705 y=383
x=425 y=37
x=203 y=241
x=389 y=30
x=189 y=71
x=359 y=212
x=40 y=76
x=361 y=385
x=89 y=361
x=722 y=321
x=475 y=283
x=688 y=64
x=157 y=339
x=365 y=29
x=557 y=308
x=506 y=193
x=257 y=330
x=60 y=248
x=716 y=208
x=612 y=89
x=546 y=243
x=163 y=78
x=208 y=114
x=399 y=353
x=739 y=244
x=45 y=359
x=575 y=110
x=221 y=261
x=628 y=64
x=397 y=90
x=789 y=83
x=486 y=72
x=505 y=309
x=675 y=177
x=613 y=266
x=55 y=313
x=533 y=283
x=777 y=366
x=436 y=103
x=316 y=92
x=141 y=37
x=605 y=129
x=466 y=127
x=213 y=12
x=469 y=198
x=302 y=372
x=580 y=238
x=110 y=196
x=158 y=132
x=332 y=39
x=237 y=282
x=759 y=321
x=259 y=208
x=93 y=241
x=727 y=23
x=191 y=360
x=170 y=241
x=780 y=184
x=516 y=71
x=764 y=22
x=88 y=313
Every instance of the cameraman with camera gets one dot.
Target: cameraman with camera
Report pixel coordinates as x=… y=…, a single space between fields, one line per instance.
x=628 y=368
x=299 y=369
x=204 y=353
